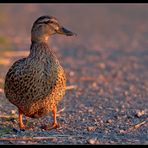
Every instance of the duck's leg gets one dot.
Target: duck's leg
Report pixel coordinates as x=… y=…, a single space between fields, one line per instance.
x=54 y=111
x=55 y=124
x=21 y=124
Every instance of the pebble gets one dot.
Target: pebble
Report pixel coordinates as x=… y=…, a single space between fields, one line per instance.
x=22 y=142
x=93 y=141
x=140 y=113
x=71 y=73
x=91 y=128
x=1 y=90
x=109 y=121
x=94 y=84
x=13 y=111
x=126 y=93
x=102 y=66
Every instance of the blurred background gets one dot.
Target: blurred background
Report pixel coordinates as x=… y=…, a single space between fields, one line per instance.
x=99 y=26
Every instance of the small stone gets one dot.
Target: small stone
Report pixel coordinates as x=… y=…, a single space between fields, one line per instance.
x=140 y=113
x=122 y=131
x=13 y=111
x=90 y=110
x=22 y=142
x=116 y=109
x=101 y=121
x=1 y=90
x=93 y=141
x=94 y=84
x=106 y=131
x=126 y=93
x=71 y=73
x=91 y=128
x=54 y=140
x=100 y=107
x=109 y=121
x=102 y=66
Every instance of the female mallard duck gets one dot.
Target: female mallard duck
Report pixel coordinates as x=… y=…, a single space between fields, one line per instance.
x=37 y=83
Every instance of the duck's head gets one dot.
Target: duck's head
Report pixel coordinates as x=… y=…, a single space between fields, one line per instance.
x=45 y=26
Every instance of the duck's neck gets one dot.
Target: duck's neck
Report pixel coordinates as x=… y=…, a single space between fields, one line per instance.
x=41 y=52
x=39 y=37
x=40 y=49
x=43 y=39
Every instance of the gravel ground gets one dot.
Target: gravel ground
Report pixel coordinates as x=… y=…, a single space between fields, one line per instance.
x=110 y=71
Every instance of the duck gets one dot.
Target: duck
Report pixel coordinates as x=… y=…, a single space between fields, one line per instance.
x=37 y=83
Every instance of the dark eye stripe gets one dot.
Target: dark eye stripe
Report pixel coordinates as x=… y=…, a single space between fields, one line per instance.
x=45 y=22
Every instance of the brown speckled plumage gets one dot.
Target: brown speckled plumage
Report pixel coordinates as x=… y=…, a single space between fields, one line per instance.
x=37 y=83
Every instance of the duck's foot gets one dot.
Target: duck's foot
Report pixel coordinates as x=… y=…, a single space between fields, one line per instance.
x=23 y=127
x=55 y=124
x=49 y=127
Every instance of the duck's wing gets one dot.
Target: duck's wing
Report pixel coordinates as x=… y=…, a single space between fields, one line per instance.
x=29 y=82
x=12 y=80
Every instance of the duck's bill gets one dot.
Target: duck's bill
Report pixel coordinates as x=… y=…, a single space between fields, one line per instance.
x=64 y=31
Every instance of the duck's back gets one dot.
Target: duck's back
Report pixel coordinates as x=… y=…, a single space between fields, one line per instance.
x=33 y=83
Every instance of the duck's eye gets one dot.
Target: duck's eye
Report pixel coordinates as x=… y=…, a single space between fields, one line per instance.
x=47 y=22
x=51 y=22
